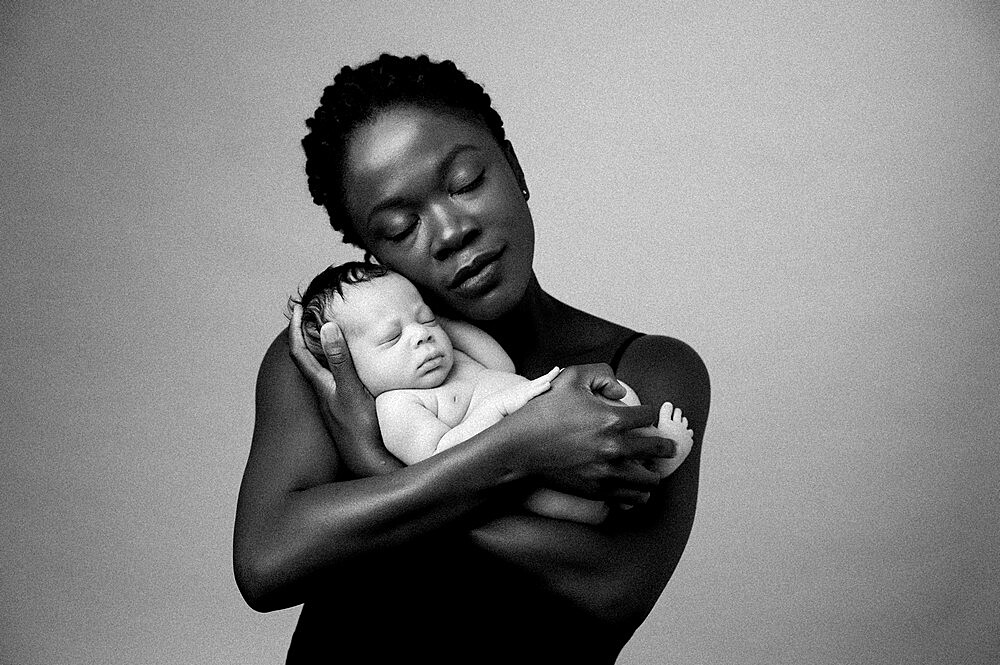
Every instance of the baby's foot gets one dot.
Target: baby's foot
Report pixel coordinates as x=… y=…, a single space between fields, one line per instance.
x=674 y=426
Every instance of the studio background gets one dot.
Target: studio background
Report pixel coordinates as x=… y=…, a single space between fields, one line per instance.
x=807 y=193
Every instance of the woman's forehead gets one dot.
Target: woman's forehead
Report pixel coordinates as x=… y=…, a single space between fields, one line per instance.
x=404 y=143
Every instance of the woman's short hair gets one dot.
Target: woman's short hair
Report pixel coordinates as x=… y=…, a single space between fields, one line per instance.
x=358 y=94
x=322 y=291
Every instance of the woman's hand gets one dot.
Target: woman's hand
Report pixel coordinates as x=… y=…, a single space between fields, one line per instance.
x=347 y=408
x=578 y=440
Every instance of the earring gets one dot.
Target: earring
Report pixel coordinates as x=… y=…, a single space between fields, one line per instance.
x=524 y=192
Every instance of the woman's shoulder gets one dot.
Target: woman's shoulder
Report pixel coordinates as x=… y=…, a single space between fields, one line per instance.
x=661 y=368
x=279 y=379
x=277 y=358
x=661 y=350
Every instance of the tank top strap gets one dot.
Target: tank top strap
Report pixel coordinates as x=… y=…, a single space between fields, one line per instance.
x=622 y=348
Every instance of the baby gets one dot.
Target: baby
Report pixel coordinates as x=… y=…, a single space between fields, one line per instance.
x=438 y=382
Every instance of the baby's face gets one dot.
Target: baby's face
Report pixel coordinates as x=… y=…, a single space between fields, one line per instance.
x=394 y=338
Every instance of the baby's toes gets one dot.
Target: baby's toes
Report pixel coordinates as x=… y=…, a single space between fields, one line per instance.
x=677 y=416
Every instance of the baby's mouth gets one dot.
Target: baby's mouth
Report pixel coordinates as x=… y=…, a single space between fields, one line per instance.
x=432 y=360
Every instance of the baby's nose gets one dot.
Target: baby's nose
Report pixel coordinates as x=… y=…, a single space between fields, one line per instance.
x=422 y=334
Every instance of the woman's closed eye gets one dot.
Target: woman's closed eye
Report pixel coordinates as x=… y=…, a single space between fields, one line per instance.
x=468 y=185
x=398 y=231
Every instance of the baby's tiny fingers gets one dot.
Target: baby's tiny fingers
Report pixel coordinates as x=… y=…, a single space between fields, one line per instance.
x=551 y=374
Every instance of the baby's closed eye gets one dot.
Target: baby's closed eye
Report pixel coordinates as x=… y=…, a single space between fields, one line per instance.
x=390 y=336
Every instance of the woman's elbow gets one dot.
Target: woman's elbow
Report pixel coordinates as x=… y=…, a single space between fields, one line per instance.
x=261 y=579
x=612 y=605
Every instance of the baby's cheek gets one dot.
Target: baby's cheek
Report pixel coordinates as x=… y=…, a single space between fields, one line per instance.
x=369 y=373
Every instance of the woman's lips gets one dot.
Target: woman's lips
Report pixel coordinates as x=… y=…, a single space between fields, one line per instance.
x=479 y=274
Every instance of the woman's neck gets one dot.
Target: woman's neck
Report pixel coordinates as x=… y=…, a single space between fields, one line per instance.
x=520 y=330
x=541 y=331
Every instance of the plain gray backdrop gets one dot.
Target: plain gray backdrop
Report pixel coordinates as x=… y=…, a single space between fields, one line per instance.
x=807 y=193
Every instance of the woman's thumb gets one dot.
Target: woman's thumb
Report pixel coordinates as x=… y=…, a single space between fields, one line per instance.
x=334 y=345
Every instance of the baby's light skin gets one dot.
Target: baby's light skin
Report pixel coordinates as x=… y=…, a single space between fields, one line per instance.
x=439 y=382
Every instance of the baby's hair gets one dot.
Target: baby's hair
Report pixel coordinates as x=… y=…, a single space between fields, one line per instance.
x=359 y=94
x=321 y=293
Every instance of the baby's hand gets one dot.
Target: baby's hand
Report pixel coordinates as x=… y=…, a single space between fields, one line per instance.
x=513 y=399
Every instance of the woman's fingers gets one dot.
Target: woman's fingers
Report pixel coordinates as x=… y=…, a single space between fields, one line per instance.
x=338 y=357
x=626 y=499
x=632 y=475
x=632 y=417
x=317 y=375
x=646 y=446
x=601 y=381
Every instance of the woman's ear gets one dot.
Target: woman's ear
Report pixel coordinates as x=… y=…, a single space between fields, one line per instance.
x=508 y=152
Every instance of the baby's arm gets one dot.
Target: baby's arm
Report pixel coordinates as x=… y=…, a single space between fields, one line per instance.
x=477 y=345
x=410 y=430
x=495 y=407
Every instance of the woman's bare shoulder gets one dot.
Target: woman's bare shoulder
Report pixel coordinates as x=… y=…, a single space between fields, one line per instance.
x=279 y=376
x=662 y=350
x=277 y=356
x=665 y=369
x=291 y=445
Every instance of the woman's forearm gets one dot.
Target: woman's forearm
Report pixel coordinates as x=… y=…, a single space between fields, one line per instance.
x=298 y=519
x=615 y=571
x=283 y=545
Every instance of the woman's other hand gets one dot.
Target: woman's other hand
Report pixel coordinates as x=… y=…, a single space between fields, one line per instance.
x=348 y=409
x=579 y=440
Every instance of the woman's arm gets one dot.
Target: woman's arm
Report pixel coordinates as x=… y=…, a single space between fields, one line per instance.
x=297 y=520
x=617 y=570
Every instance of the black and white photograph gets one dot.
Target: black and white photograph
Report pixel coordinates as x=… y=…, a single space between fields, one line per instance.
x=532 y=333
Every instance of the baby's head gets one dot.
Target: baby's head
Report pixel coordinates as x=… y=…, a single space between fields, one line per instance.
x=394 y=338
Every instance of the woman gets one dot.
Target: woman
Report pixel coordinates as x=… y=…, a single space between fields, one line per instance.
x=412 y=164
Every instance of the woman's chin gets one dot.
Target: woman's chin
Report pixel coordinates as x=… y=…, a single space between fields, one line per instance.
x=489 y=307
x=492 y=304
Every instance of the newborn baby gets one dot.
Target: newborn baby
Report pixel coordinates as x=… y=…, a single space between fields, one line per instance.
x=438 y=382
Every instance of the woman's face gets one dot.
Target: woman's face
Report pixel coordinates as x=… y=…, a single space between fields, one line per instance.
x=434 y=197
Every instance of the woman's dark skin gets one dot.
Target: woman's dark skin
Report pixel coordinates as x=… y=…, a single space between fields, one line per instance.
x=429 y=192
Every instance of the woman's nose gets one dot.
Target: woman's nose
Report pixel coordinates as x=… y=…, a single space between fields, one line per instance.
x=453 y=230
